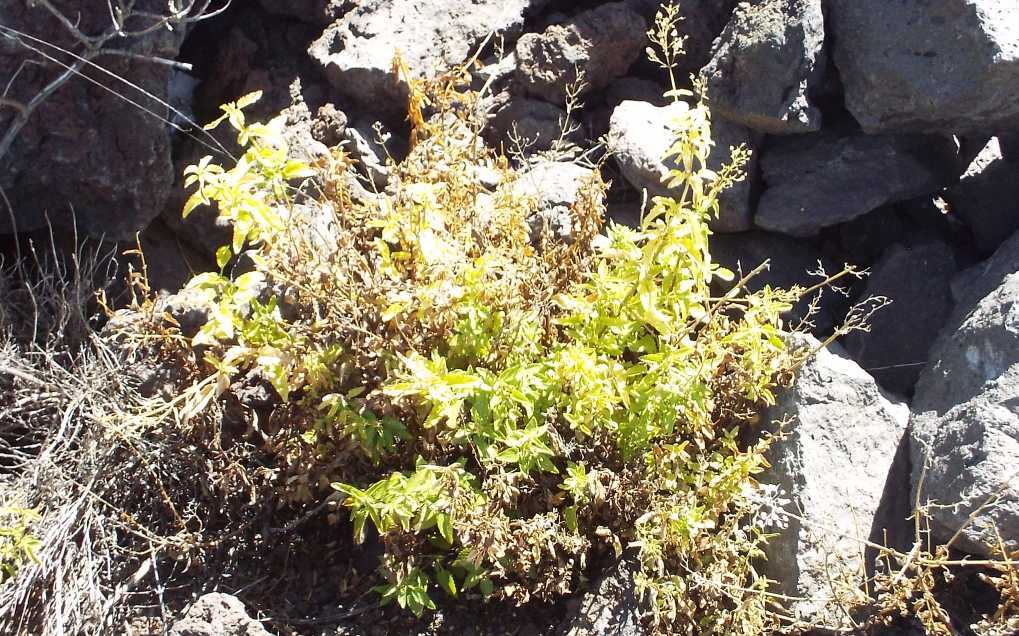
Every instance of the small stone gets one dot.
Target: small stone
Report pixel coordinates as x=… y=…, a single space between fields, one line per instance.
x=965 y=427
x=217 y=614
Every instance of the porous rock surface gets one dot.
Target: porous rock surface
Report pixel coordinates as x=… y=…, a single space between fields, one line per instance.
x=782 y=41
x=595 y=47
x=834 y=465
x=816 y=181
x=357 y=51
x=86 y=155
x=217 y=614
x=965 y=427
x=931 y=66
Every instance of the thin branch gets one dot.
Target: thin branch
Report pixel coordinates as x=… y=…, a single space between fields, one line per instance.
x=87 y=60
x=180 y=66
x=23 y=116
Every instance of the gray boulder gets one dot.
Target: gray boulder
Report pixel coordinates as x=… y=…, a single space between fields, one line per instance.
x=971 y=452
x=987 y=197
x=85 y=155
x=834 y=465
x=357 y=50
x=916 y=279
x=217 y=614
x=600 y=45
x=816 y=181
x=937 y=65
x=966 y=413
x=639 y=136
x=980 y=340
x=765 y=63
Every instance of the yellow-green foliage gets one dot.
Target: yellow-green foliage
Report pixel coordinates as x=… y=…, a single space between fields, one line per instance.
x=17 y=544
x=497 y=411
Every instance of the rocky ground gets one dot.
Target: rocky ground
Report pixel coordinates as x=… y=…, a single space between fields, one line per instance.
x=884 y=134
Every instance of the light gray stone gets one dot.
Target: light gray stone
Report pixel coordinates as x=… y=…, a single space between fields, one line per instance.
x=764 y=65
x=555 y=187
x=966 y=413
x=972 y=450
x=600 y=45
x=364 y=147
x=936 y=65
x=639 y=136
x=357 y=50
x=217 y=614
x=834 y=466
x=816 y=181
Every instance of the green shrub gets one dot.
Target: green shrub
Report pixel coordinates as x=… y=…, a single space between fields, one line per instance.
x=499 y=412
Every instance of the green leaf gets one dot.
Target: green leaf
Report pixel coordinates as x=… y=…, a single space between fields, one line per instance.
x=223 y=256
x=446 y=581
x=444 y=522
x=486 y=586
x=297 y=170
x=570 y=513
x=195 y=200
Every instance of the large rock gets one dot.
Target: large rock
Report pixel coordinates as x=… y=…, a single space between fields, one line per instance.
x=639 y=136
x=357 y=50
x=790 y=262
x=765 y=63
x=987 y=197
x=816 y=181
x=894 y=350
x=935 y=65
x=217 y=614
x=980 y=341
x=86 y=155
x=966 y=413
x=600 y=45
x=703 y=21
x=315 y=11
x=837 y=465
